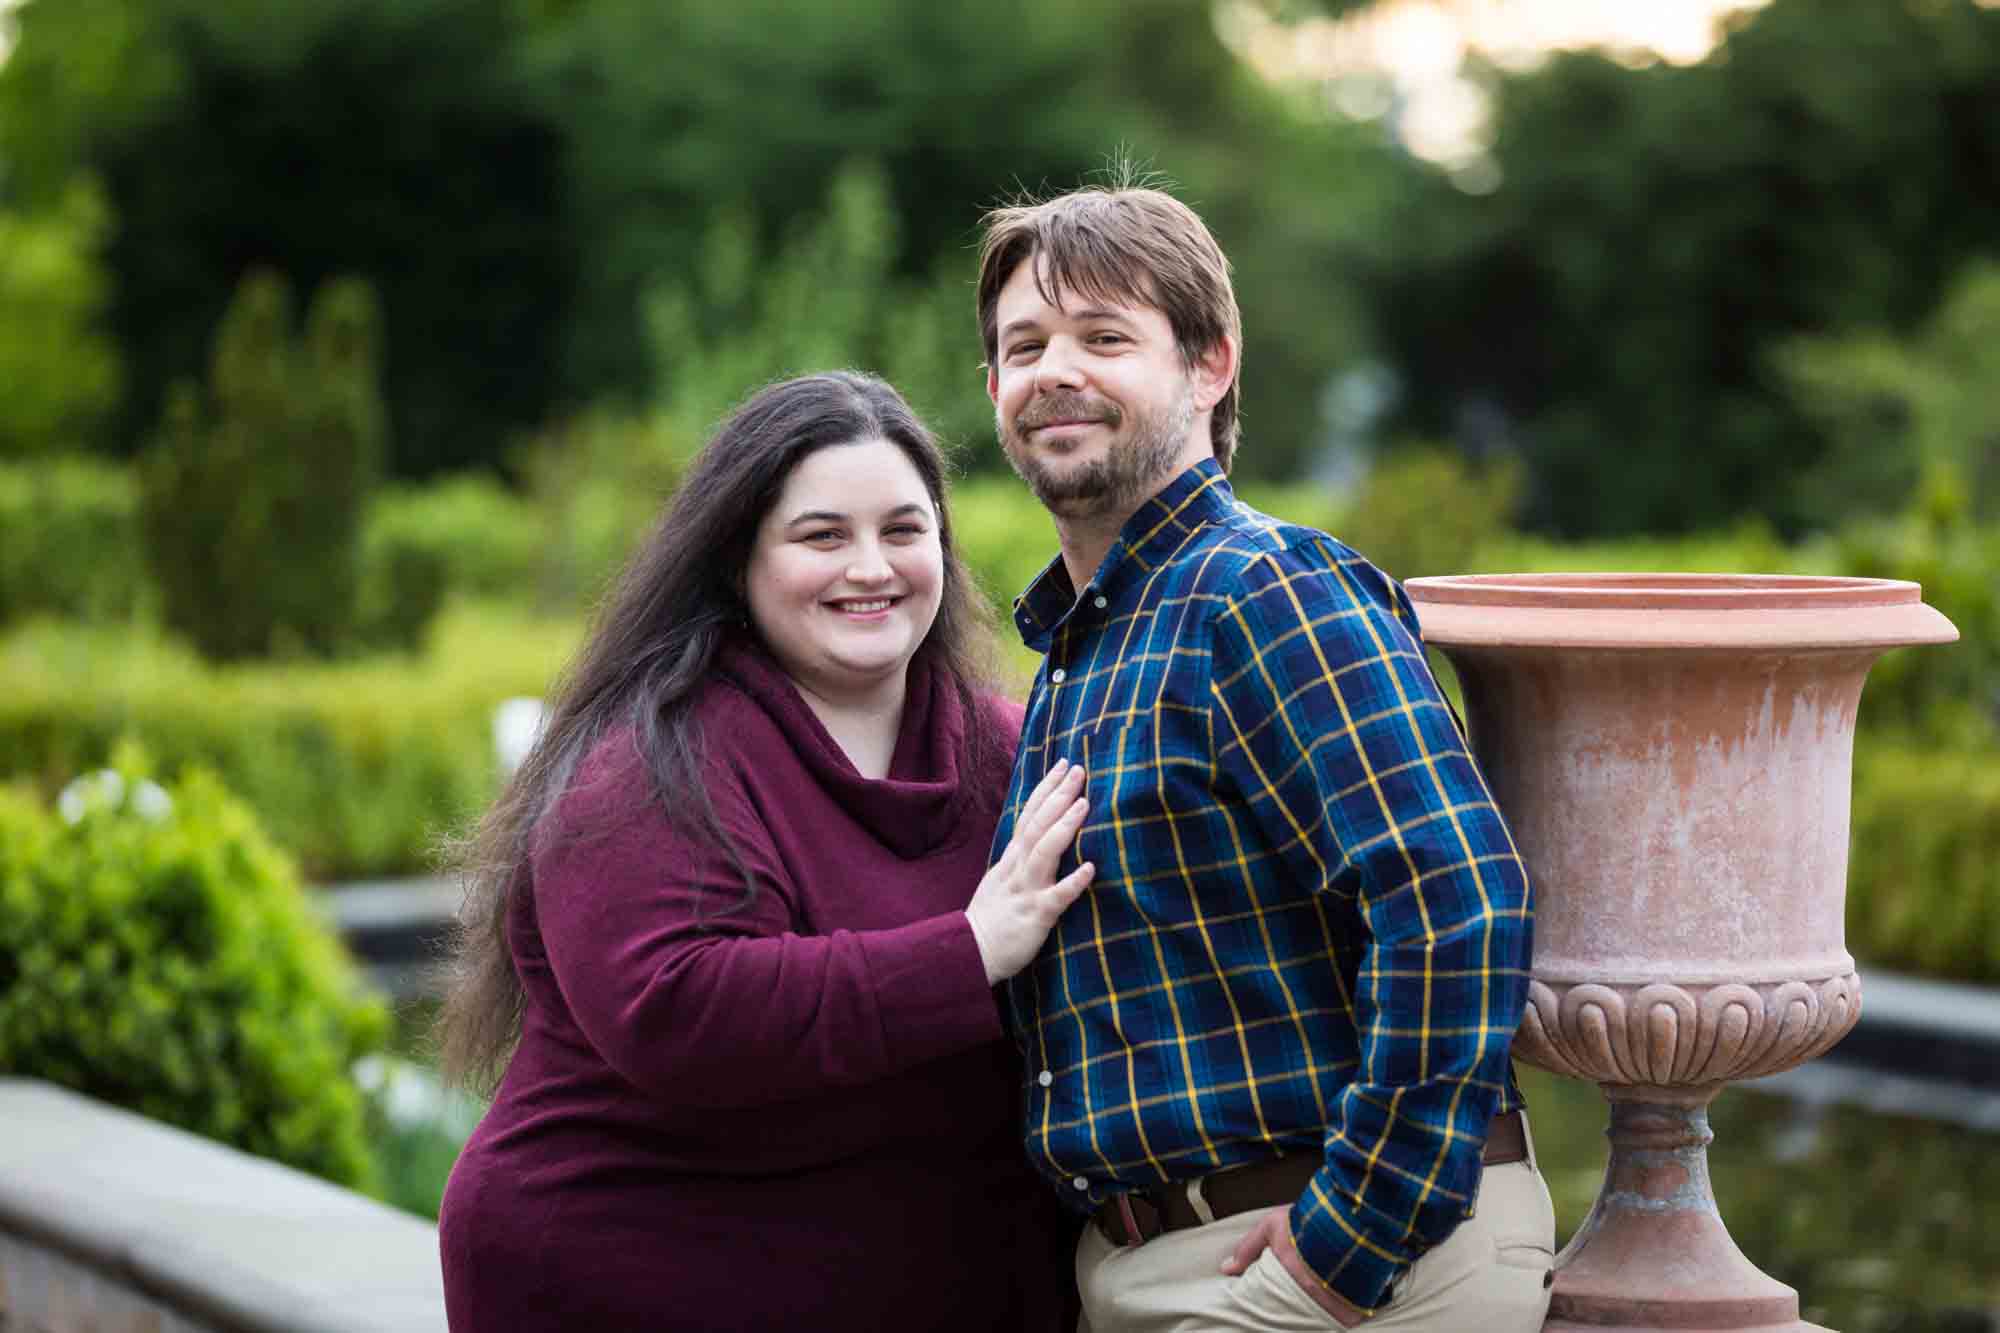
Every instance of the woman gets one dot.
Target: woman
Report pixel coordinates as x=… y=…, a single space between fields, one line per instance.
x=720 y=918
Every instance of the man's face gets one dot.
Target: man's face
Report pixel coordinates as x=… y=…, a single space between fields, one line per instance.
x=1094 y=406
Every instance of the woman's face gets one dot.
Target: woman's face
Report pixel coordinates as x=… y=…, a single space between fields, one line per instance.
x=846 y=571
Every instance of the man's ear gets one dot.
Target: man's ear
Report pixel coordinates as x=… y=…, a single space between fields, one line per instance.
x=1214 y=371
x=993 y=384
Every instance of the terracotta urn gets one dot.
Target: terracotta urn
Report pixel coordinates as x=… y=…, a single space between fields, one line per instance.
x=1673 y=753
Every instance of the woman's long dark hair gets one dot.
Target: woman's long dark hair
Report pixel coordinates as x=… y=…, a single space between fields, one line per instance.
x=653 y=642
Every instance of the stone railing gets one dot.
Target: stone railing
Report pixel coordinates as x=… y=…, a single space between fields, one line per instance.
x=113 y=1223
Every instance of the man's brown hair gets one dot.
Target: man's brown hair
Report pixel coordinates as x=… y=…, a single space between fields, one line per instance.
x=1129 y=244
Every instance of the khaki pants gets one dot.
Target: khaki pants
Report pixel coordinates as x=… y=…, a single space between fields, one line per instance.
x=1490 y=1274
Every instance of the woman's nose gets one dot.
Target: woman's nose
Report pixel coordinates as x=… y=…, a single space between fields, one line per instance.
x=868 y=566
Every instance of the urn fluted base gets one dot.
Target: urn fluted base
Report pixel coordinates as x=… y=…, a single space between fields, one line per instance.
x=1665 y=1034
x=1654 y=1254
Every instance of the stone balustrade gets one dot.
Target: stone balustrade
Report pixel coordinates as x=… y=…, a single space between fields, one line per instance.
x=113 y=1223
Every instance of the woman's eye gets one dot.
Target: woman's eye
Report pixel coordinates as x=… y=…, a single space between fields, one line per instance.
x=824 y=537
x=905 y=530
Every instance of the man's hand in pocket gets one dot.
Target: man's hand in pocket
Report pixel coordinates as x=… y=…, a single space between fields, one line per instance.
x=1274 y=1230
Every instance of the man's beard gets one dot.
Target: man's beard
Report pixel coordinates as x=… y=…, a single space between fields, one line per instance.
x=1129 y=471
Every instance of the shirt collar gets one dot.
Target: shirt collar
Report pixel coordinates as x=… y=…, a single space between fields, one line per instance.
x=1155 y=531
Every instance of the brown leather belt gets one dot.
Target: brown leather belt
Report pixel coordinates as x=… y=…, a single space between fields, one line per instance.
x=1135 y=1217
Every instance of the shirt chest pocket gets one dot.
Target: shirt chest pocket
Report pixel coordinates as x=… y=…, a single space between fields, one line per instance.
x=1151 y=802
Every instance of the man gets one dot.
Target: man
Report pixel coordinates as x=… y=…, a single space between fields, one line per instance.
x=1269 y=1046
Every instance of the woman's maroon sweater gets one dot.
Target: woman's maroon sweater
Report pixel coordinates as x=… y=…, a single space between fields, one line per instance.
x=800 y=1113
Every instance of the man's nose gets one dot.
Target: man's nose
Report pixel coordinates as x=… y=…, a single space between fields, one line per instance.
x=1060 y=365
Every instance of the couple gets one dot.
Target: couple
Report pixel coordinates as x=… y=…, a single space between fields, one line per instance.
x=739 y=918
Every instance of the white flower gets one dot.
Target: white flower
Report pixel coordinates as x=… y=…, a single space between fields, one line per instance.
x=102 y=790
x=105 y=790
x=517 y=722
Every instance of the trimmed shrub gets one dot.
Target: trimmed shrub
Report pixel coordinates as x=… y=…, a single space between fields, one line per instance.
x=62 y=373
x=484 y=540
x=1950 y=694
x=1749 y=547
x=596 y=484
x=1004 y=535
x=1425 y=511
x=253 y=494
x=157 y=952
x=69 y=541
x=353 y=767
x=1924 y=864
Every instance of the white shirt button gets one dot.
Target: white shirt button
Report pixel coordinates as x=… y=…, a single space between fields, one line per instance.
x=1058 y=675
x=1100 y=603
x=1045 y=1078
x=1080 y=1183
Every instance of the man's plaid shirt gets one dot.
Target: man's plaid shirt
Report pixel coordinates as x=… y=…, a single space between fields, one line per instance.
x=1309 y=928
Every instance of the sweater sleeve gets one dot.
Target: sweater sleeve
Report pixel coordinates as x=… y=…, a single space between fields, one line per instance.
x=710 y=1005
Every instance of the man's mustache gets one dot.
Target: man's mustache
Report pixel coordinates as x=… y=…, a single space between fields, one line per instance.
x=1067 y=407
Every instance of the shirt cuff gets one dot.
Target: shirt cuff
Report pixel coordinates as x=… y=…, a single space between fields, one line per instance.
x=1355 y=1266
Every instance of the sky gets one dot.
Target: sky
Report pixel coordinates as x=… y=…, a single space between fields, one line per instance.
x=1408 y=59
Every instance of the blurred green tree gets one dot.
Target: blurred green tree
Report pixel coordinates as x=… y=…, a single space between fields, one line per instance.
x=825 y=295
x=60 y=370
x=686 y=117
x=1659 y=232
x=1900 y=412
x=516 y=178
x=394 y=139
x=253 y=496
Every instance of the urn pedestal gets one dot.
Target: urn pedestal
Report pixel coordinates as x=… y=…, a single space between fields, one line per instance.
x=1673 y=754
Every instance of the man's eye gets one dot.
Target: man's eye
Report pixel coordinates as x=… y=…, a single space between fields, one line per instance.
x=1105 y=338
x=1018 y=350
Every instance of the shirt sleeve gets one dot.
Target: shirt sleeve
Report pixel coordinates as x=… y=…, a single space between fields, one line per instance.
x=1330 y=728
x=724 y=1009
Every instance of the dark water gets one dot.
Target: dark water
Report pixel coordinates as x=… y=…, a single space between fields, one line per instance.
x=1883 y=1224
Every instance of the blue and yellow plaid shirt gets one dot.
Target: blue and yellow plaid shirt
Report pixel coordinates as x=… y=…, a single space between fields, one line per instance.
x=1309 y=928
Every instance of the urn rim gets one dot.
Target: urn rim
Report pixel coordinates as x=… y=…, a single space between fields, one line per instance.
x=1652 y=610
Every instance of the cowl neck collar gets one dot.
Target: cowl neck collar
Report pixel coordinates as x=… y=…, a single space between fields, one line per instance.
x=913 y=810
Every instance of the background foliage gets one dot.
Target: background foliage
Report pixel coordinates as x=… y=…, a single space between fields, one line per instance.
x=1618 y=309
x=1739 y=314
x=156 y=952
x=253 y=491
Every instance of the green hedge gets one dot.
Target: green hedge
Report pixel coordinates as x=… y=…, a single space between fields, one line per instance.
x=1924 y=862
x=156 y=952
x=69 y=541
x=486 y=539
x=354 y=767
